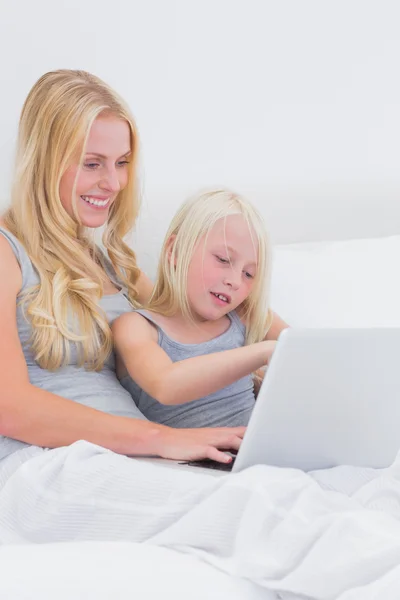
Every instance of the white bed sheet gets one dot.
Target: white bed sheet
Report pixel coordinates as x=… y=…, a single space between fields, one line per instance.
x=115 y=571
x=328 y=535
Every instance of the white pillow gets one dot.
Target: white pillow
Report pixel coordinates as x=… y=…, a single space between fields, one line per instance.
x=353 y=283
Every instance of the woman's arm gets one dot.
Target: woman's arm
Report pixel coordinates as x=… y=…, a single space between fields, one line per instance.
x=179 y=382
x=33 y=415
x=38 y=417
x=144 y=287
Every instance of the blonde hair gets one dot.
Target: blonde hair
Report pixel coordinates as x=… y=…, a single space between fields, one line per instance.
x=195 y=219
x=54 y=126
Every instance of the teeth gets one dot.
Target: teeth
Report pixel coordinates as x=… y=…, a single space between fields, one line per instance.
x=95 y=202
x=221 y=297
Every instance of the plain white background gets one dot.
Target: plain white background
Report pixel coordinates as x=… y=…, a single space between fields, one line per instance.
x=292 y=102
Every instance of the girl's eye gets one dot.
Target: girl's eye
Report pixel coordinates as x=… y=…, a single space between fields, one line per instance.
x=91 y=165
x=249 y=275
x=123 y=163
x=225 y=261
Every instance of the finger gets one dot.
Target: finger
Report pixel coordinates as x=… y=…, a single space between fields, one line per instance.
x=239 y=431
x=236 y=431
x=233 y=441
x=215 y=454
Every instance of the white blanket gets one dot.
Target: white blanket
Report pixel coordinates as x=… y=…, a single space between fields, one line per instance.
x=331 y=534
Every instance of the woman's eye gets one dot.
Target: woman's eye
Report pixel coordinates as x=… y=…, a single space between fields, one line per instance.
x=91 y=165
x=123 y=163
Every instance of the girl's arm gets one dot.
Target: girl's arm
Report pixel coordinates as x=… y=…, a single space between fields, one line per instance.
x=38 y=417
x=186 y=380
x=277 y=326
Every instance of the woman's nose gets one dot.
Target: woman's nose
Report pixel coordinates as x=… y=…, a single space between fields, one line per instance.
x=111 y=181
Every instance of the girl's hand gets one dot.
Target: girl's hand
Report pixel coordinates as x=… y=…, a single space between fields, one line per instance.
x=269 y=350
x=258 y=377
x=194 y=444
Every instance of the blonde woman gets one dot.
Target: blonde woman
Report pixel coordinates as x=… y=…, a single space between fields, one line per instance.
x=188 y=359
x=76 y=169
x=65 y=420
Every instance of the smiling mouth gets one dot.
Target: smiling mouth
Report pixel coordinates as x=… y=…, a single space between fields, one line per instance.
x=222 y=297
x=96 y=202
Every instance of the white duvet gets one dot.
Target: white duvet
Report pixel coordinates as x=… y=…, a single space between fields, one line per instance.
x=331 y=534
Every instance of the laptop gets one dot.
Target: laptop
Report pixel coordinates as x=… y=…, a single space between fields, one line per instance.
x=330 y=397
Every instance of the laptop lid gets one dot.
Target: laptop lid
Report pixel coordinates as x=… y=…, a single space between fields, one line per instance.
x=330 y=397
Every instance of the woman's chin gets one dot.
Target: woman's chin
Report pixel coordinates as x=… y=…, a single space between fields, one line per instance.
x=94 y=223
x=93 y=218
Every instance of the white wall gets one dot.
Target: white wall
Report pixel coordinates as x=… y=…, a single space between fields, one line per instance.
x=294 y=102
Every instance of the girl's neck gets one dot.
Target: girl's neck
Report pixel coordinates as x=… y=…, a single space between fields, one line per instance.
x=186 y=331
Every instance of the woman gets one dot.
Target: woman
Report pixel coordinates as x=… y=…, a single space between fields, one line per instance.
x=76 y=170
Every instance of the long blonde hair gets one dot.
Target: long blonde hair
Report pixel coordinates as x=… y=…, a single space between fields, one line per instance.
x=195 y=219
x=54 y=126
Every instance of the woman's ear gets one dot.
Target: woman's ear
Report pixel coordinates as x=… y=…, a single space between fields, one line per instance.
x=170 y=248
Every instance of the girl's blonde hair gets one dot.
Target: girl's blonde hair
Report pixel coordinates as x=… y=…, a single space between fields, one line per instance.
x=195 y=219
x=63 y=310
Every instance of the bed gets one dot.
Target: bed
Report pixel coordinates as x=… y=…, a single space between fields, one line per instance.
x=333 y=534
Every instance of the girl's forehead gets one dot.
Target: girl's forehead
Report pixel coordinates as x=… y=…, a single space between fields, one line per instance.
x=233 y=226
x=234 y=234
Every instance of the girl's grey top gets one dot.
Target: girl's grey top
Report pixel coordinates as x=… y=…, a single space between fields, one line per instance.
x=100 y=390
x=231 y=406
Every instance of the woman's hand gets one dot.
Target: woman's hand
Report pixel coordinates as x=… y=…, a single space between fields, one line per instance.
x=194 y=444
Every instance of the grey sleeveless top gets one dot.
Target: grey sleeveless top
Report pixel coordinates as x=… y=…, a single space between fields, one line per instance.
x=230 y=406
x=100 y=390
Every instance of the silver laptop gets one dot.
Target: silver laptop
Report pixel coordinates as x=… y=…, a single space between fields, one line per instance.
x=330 y=397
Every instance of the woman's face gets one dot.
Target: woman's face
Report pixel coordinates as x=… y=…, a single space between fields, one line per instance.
x=103 y=173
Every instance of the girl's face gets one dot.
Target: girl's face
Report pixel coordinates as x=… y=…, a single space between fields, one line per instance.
x=222 y=270
x=103 y=174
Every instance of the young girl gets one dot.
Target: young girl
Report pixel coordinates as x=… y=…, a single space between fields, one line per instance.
x=188 y=359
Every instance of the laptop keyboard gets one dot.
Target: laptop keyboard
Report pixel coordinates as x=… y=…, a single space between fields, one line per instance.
x=207 y=463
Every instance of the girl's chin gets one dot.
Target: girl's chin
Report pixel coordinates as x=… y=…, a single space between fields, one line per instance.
x=209 y=315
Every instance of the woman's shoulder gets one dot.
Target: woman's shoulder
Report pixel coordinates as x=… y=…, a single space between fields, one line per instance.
x=15 y=257
x=12 y=240
x=11 y=276
x=10 y=246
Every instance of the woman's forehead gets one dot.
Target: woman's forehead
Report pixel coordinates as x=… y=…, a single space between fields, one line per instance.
x=109 y=136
